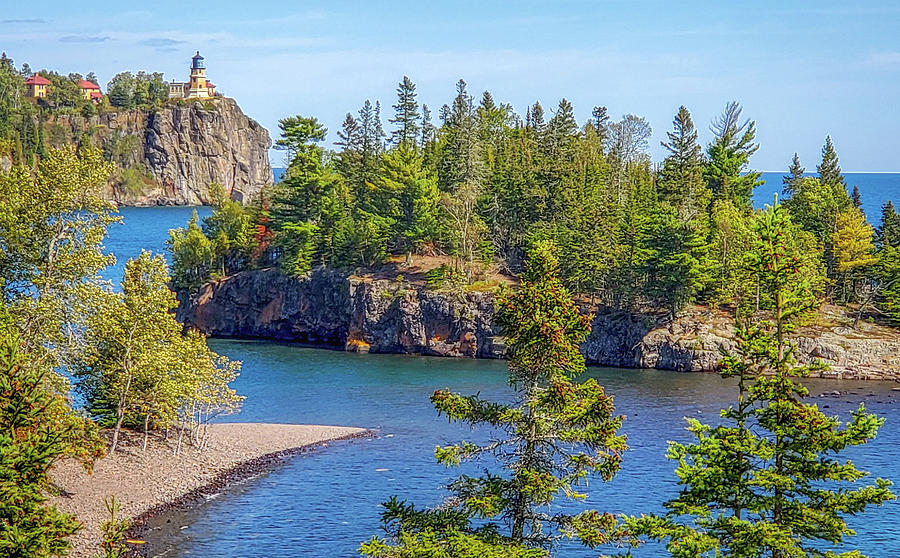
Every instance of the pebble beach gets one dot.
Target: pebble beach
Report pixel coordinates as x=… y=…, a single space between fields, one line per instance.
x=147 y=482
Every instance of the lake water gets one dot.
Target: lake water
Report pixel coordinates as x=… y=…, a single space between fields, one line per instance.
x=875 y=190
x=327 y=502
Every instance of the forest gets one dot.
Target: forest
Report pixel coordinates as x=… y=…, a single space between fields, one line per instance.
x=481 y=183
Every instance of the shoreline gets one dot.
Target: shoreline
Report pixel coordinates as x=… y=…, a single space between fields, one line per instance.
x=153 y=483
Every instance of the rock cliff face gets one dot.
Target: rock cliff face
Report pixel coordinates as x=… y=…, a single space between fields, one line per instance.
x=356 y=314
x=329 y=308
x=176 y=152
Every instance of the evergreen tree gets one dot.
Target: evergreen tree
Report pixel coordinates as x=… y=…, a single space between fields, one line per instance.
x=674 y=261
x=460 y=161
x=310 y=207
x=768 y=480
x=791 y=181
x=830 y=169
x=37 y=429
x=408 y=197
x=728 y=155
x=406 y=115
x=889 y=233
x=428 y=129
x=815 y=206
x=600 y=121
x=681 y=182
x=299 y=137
x=557 y=433
x=856 y=197
x=887 y=279
x=370 y=144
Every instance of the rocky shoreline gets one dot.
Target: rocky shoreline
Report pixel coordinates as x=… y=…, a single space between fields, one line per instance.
x=375 y=314
x=152 y=482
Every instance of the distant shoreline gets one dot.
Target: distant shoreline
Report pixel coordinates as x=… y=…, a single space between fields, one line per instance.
x=153 y=482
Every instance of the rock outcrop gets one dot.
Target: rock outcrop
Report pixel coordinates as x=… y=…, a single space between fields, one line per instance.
x=173 y=154
x=339 y=311
x=379 y=315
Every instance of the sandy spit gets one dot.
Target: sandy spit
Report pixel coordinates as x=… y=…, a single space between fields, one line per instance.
x=150 y=482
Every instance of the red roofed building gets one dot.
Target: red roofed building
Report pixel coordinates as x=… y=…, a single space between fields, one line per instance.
x=37 y=86
x=90 y=90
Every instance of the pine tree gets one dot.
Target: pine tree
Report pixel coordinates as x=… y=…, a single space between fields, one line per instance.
x=557 y=433
x=830 y=169
x=889 y=233
x=768 y=481
x=408 y=197
x=461 y=161
x=674 y=260
x=428 y=129
x=600 y=121
x=370 y=147
x=856 y=197
x=348 y=136
x=791 y=181
x=406 y=115
x=681 y=182
x=727 y=171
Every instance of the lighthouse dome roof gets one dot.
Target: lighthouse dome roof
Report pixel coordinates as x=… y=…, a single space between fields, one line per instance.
x=197 y=61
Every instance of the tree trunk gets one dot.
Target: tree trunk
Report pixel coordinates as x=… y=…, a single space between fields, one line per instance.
x=146 y=430
x=120 y=415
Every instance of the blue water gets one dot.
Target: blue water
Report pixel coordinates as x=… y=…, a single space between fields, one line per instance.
x=144 y=228
x=326 y=503
x=875 y=190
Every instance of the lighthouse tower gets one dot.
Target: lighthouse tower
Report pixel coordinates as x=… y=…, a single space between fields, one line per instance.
x=199 y=88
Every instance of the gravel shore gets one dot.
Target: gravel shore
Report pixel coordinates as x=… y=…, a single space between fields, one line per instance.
x=148 y=482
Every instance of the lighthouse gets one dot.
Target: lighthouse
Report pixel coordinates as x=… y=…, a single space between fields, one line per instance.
x=197 y=87
x=198 y=77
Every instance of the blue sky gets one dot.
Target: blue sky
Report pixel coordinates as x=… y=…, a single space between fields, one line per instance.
x=801 y=69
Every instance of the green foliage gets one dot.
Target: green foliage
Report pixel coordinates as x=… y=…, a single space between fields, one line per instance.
x=407 y=115
x=52 y=225
x=729 y=154
x=192 y=255
x=485 y=183
x=140 y=90
x=674 y=256
x=681 y=182
x=134 y=180
x=37 y=428
x=139 y=367
x=889 y=232
x=556 y=434
x=768 y=481
x=114 y=531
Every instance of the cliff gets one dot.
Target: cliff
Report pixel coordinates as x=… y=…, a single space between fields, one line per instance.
x=171 y=155
x=386 y=316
